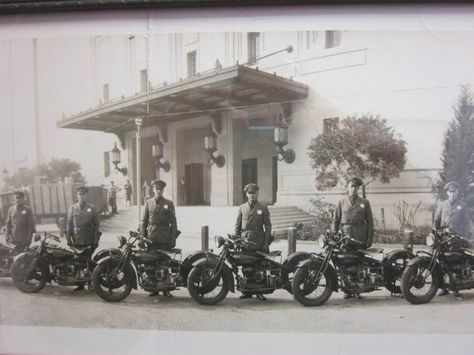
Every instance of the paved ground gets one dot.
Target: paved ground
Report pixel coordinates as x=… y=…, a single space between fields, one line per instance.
x=376 y=312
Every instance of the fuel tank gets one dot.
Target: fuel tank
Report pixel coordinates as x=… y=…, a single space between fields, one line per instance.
x=348 y=258
x=243 y=259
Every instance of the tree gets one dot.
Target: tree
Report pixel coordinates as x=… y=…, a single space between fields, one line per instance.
x=362 y=146
x=458 y=146
x=55 y=170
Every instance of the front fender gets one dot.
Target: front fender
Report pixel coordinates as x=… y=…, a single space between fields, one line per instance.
x=131 y=265
x=397 y=254
x=212 y=262
x=188 y=262
x=426 y=259
x=316 y=263
x=106 y=252
x=291 y=263
x=41 y=260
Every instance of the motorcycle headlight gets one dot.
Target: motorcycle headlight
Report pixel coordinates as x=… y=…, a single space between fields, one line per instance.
x=121 y=240
x=218 y=241
x=322 y=241
x=430 y=239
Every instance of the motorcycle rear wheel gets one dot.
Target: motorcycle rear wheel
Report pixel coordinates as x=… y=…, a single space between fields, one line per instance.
x=419 y=285
x=306 y=292
x=32 y=283
x=393 y=271
x=202 y=288
x=113 y=289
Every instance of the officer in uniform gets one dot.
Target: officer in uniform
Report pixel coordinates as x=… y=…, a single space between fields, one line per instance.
x=253 y=223
x=83 y=225
x=20 y=224
x=159 y=222
x=453 y=214
x=353 y=215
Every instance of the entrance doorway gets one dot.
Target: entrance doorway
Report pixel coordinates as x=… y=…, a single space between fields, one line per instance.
x=249 y=173
x=194 y=184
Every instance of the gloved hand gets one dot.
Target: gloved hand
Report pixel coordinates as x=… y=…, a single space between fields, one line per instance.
x=266 y=248
x=9 y=238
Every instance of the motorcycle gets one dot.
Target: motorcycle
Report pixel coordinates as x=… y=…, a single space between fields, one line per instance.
x=134 y=264
x=7 y=256
x=50 y=260
x=449 y=264
x=212 y=277
x=341 y=266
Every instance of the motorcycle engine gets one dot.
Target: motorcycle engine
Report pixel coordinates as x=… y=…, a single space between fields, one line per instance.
x=361 y=278
x=159 y=277
x=258 y=277
x=70 y=272
x=462 y=275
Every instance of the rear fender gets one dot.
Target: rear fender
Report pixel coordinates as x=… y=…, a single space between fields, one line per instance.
x=187 y=264
x=316 y=263
x=131 y=265
x=228 y=277
x=397 y=254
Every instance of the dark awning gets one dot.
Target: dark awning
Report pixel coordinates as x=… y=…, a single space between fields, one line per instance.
x=211 y=93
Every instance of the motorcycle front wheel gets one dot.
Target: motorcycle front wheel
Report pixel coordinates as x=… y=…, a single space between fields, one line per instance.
x=205 y=287
x=311 y=287
x=110 y=283
x=419 y=284
x=26 y=278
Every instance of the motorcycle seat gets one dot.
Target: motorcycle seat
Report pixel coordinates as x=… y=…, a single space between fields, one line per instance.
x=375 y=250
x=171 y=252
x=271 y=254
x=79 y=251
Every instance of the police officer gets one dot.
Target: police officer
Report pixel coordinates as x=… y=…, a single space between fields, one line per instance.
x=20 y=224
x=83 y=225
x=159 y=222
x=253 y=223
x=353 y=215
x=453 y=214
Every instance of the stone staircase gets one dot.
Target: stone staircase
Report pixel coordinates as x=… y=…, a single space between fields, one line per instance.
x=220 y=220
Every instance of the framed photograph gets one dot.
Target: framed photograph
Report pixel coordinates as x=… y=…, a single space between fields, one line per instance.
x=190 y=180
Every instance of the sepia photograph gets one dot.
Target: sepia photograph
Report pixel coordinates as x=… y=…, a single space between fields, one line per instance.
x=231 y=175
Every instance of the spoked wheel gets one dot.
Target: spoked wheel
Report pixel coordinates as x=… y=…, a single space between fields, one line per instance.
x=110 y=283
x=205 y=287
x=311 y=287
x=26 y=276
x=393 y=271
x=419 y=284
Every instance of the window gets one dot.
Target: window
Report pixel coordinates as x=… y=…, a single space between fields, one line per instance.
x=253 y=41
x=192 y=64
x=105 y=93
x=333 y=39
x=330 y=125
x=144 y=80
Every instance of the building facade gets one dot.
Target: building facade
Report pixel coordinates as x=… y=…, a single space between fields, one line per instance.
x=228 y=91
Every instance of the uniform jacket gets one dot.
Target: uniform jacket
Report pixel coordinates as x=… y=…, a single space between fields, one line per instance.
x=255 y=224
x=20 y=224
x=159 y=220
x=454 y=216
x=83 y=224
x=355 y=219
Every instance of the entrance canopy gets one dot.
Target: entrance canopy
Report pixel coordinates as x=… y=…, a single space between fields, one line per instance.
x=206 y=94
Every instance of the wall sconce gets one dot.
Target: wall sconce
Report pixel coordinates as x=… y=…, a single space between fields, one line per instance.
x=115 y=158
x=280 y=139
x=157 y=153
x=210 y=145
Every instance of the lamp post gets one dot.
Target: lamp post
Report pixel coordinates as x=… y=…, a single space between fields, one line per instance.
x=280 y=139
x=210 y=146
x=138 y=123
x=115 y=158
